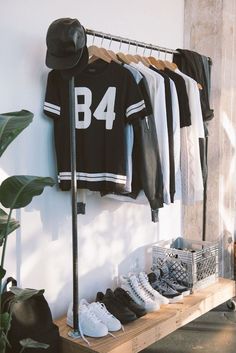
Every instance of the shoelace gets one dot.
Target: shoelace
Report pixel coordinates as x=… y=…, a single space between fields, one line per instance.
x=94 y=318
x=85 y=339
x=165 y=285
x=142 y=294
x=103 y=310
x=91 y=316
x=128 y=297
x=144 y=282
x=70 y=333
x=172 y=281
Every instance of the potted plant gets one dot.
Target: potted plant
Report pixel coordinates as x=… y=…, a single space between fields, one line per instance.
x=15 y=192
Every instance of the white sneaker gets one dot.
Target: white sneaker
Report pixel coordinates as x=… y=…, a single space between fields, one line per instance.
x=89 y=324
x=138 y=294
x=101 y=312
x=143 y=279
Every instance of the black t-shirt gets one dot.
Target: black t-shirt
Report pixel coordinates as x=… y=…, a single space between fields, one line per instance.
x=106 y=99
x=184 y=110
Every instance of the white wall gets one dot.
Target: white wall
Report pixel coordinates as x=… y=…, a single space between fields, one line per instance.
x=113 y=237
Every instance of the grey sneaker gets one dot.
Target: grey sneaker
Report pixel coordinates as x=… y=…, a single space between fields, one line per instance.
x=172 y=268
x=159 y=284
x=143 y=279
x=176 y=286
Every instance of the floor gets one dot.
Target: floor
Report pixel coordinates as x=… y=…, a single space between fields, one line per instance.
x=214 y=332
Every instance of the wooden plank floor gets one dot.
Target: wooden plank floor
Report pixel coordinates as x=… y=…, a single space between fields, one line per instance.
x=153 y=326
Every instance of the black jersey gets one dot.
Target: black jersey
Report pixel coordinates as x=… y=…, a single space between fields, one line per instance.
x=106 y=99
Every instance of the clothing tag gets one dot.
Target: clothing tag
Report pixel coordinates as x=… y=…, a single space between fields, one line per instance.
x=92 y=70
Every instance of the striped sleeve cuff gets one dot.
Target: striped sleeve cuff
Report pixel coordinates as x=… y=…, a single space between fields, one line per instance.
x=52 y=108
x=135 y=108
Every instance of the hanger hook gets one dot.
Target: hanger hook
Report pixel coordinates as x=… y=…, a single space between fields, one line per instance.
x=136 y=48
x=129 y=47
x=158 y=53
x=110 y=42
x=165 y=54
x=145 y=46
x=120 y=44
x=93 y=37
x=150 y=50
x=102 y=40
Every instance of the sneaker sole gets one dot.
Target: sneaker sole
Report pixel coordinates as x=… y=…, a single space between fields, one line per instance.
x=69 y=323
x=185 y=293
x=175 y=299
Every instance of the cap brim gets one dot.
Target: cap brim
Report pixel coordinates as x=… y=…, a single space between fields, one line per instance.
x=61 y=63
x=81 y=65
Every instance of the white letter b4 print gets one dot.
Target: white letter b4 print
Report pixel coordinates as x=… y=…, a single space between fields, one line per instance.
x=104 y=110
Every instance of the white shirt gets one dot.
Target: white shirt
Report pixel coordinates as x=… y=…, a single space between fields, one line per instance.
x=156 y=87
x=192 y=181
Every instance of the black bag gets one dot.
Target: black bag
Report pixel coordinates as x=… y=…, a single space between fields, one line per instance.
x=31 y=318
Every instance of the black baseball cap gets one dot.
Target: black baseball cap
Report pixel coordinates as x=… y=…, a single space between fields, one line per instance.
x=66 y=40
x=79 y=67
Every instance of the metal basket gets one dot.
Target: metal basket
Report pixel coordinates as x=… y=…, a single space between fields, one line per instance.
x=199 y=258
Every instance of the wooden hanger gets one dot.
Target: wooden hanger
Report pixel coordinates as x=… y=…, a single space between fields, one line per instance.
x=123 y=58
x=142 y=60
x=111 y=53
x=157 y=63
x=97 y=53
x=138 y=58
x=169 y=65
x=127 y=58
x=132 y=58
x=113 y=56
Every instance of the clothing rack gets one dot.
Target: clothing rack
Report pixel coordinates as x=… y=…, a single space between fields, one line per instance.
x=74 y=205
x=128 y=41
x=75 y=208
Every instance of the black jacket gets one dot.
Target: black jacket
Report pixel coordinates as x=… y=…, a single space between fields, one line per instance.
x=191 y=63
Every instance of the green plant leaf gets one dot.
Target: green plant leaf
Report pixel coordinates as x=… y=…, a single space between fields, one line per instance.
x=11 y=125
x=2 y=272
x=17 y=191
x=24 y=294
x=2 y=343
x=13 y=225
x=29 y=343
x=5 y=321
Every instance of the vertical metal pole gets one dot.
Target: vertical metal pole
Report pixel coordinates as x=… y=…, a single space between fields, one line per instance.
x=205 y=198
x=74 y=202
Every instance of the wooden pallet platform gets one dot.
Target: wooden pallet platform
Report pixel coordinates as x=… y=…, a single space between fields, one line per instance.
x=153 y=326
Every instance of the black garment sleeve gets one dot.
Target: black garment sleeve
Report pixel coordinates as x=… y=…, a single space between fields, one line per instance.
x=148 y=161
x=184 y=110
x=134 y=105
x=145 y=96
x=52 y=105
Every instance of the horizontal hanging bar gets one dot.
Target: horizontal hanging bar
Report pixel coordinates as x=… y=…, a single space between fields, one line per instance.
x=130 y=41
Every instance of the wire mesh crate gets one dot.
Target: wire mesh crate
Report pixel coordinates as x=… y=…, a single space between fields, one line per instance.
x=197 y=259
